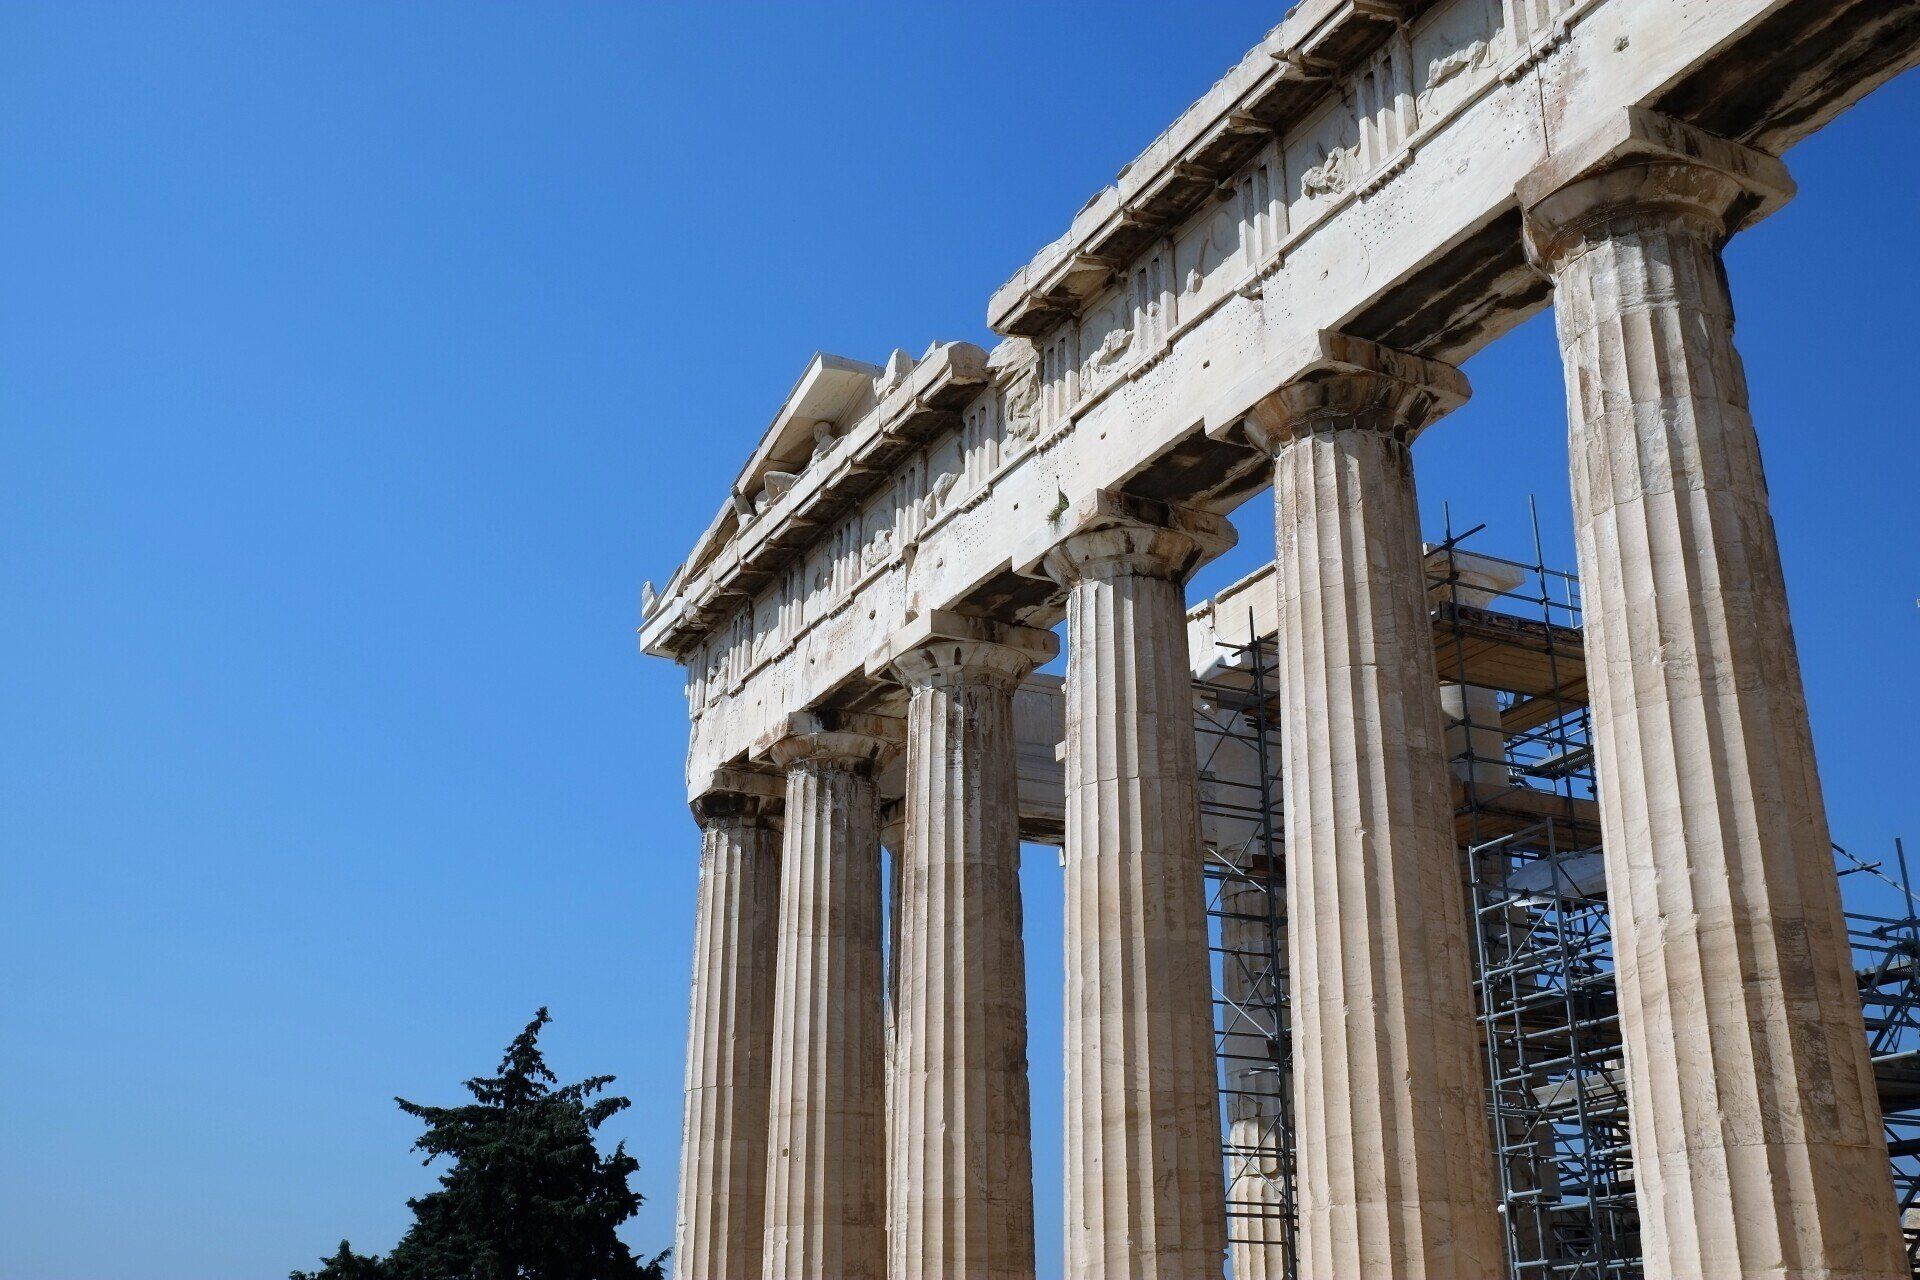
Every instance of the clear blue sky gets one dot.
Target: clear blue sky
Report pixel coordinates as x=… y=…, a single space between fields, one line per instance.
x=357 y=362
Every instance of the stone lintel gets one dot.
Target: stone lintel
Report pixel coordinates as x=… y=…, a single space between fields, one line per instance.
x=1204 y=534
x=1028 y=646
x=854 y=738
x=1640 y=137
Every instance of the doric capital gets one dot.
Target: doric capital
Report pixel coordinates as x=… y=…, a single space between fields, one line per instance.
x=943 y=648
x=847 y=740
x=1643 y=165
x=1337 y=382
x=1108 y=534
x=741 y=793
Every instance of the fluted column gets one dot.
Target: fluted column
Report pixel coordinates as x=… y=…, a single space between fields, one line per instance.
x=960 y=1191
x=723 y=1145
x=1757 y=1141
x=1144 y=1192
x=826 y=1148
x=1396 y=1177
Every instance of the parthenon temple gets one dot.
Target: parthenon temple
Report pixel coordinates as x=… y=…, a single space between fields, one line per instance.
x=1429 y=914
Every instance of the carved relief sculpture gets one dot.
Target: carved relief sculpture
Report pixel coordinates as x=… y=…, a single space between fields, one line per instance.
x=1334 y=174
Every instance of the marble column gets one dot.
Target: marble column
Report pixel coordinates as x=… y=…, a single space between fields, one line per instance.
x=1144 y=1188
x=960 y=1189
x=826 y=1150
x=1757 y=1142
x=723 y=1153
x=1396 y=1174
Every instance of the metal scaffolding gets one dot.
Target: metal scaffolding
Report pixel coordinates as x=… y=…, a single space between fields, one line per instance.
x=1239 y=753
x=1886 y=954
x=1512 y=671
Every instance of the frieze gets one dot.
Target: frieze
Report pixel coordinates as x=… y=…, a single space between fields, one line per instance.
x=1022 y=400
x=1334 y=175
x=1199 y=312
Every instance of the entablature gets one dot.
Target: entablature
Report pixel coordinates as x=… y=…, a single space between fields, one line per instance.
x=775 y=515
x=1387 y=212
x=1277 y=84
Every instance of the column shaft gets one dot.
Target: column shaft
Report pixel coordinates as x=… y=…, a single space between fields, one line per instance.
x=961 y=1190
x=1144 y=1189
x=723 y=1154
x=1757 y=1140
x=1396 y=1176
x=826 y=1148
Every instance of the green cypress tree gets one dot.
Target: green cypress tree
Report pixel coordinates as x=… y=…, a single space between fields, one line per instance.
x=345 y=1265
x=527 y=1195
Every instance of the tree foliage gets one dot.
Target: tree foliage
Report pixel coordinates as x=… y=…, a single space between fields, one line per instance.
x=346 y=1265
x=526 y=1195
